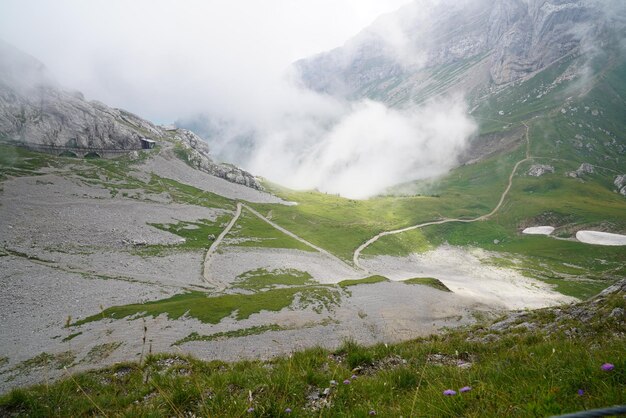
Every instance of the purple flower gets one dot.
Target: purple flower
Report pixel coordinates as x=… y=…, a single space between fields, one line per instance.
x=449 y=392
x=581 y=392
x=346 y=382
x=250 y=410
x=465 y=389
x=372 y=413
x=353 y=377
x=288 y=411
x=607 y=367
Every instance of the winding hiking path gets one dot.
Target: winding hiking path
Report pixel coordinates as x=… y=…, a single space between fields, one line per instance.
x=294 y=236
x=219 y=285
x=372 y=240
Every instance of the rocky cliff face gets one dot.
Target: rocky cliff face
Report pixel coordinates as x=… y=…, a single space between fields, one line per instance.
x=34 y=110
x=513 y=38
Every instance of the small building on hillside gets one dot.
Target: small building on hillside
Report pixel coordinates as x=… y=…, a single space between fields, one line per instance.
x=147 y=143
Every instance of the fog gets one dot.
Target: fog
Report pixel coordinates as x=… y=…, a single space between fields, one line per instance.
x=226 y=65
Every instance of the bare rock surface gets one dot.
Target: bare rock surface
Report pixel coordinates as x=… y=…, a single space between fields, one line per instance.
x=538 y=170
x=620 y=183
x=507 y=39
x=176 y=169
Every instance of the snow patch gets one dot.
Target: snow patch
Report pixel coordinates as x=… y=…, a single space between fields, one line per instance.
x=538 y=230
x=601 y=238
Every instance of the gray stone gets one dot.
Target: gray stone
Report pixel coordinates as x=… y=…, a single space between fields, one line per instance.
x=35 y=111
x=538 y=170
x=518 y=38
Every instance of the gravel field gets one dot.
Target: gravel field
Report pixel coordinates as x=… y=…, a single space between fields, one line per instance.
x=462 y=271
x=177 y=170
x=71 y=249
x=231 y=262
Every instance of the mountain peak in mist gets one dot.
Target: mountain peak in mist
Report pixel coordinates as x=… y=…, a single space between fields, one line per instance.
x=510 y=39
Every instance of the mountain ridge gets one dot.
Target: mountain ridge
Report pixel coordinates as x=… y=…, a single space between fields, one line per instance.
x=35 y=111
x=512 y=39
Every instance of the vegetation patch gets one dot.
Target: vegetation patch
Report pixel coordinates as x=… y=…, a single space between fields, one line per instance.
x=250 y=231
x=540 y=372
x=213 y=309
x=367 y=280
x=400 y=245
x=44 y=360
x=197 y=235
x=261 y=279
x=100 y=352
x=243 y=332
x=428 y=281
x=71 y=336
x=18 y=161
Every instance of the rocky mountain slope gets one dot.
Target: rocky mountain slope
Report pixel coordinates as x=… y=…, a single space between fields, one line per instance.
x=35 y=111
x=472 y=44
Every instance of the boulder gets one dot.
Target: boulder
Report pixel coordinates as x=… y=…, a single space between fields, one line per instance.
x=538 y=170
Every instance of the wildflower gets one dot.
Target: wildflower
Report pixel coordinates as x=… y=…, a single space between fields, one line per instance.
x=333 y=383
x=465 y=389
x=288 y=411
x=250 y=410
x=353 y=377
x=607 y=367
x=449 y=392
x=372 y=413
x=581 y=392
x=346 y=382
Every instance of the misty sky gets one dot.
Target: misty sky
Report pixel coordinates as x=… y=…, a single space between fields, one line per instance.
x=167 y=59
x=230 y=60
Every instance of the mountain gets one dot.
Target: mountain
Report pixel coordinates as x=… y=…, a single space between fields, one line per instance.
x=36 y=111
x=470 y=45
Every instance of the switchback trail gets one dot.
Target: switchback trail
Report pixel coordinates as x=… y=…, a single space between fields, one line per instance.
x=294 y=236
x=372 y=240
x=207 y=258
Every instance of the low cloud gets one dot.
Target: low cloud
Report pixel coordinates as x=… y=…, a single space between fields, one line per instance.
x=356 y=150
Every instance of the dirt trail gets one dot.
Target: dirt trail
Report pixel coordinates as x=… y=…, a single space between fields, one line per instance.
x=372 y=240
x=219 y=285
x=294 y=236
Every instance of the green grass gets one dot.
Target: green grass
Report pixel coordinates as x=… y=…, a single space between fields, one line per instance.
x=400 y=245
x=250 y=231
x=213 y=309
x=197 y=235
x=17 y=161
x=100 y=352
x=517 y=374
x=428 y=281
x=42 y=361
x=71 y=336
x=367 y=280
x=242 y=332
x=261 y=279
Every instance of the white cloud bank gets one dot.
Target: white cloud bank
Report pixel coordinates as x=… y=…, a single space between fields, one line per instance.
x=367 y=149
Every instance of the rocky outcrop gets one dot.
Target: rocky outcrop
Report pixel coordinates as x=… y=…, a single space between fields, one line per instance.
x=35 y=111
x=601 y=315
x=195 y=151
x=585 y=168
x=538 y=170
x=620 y=183
x=512 y=38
